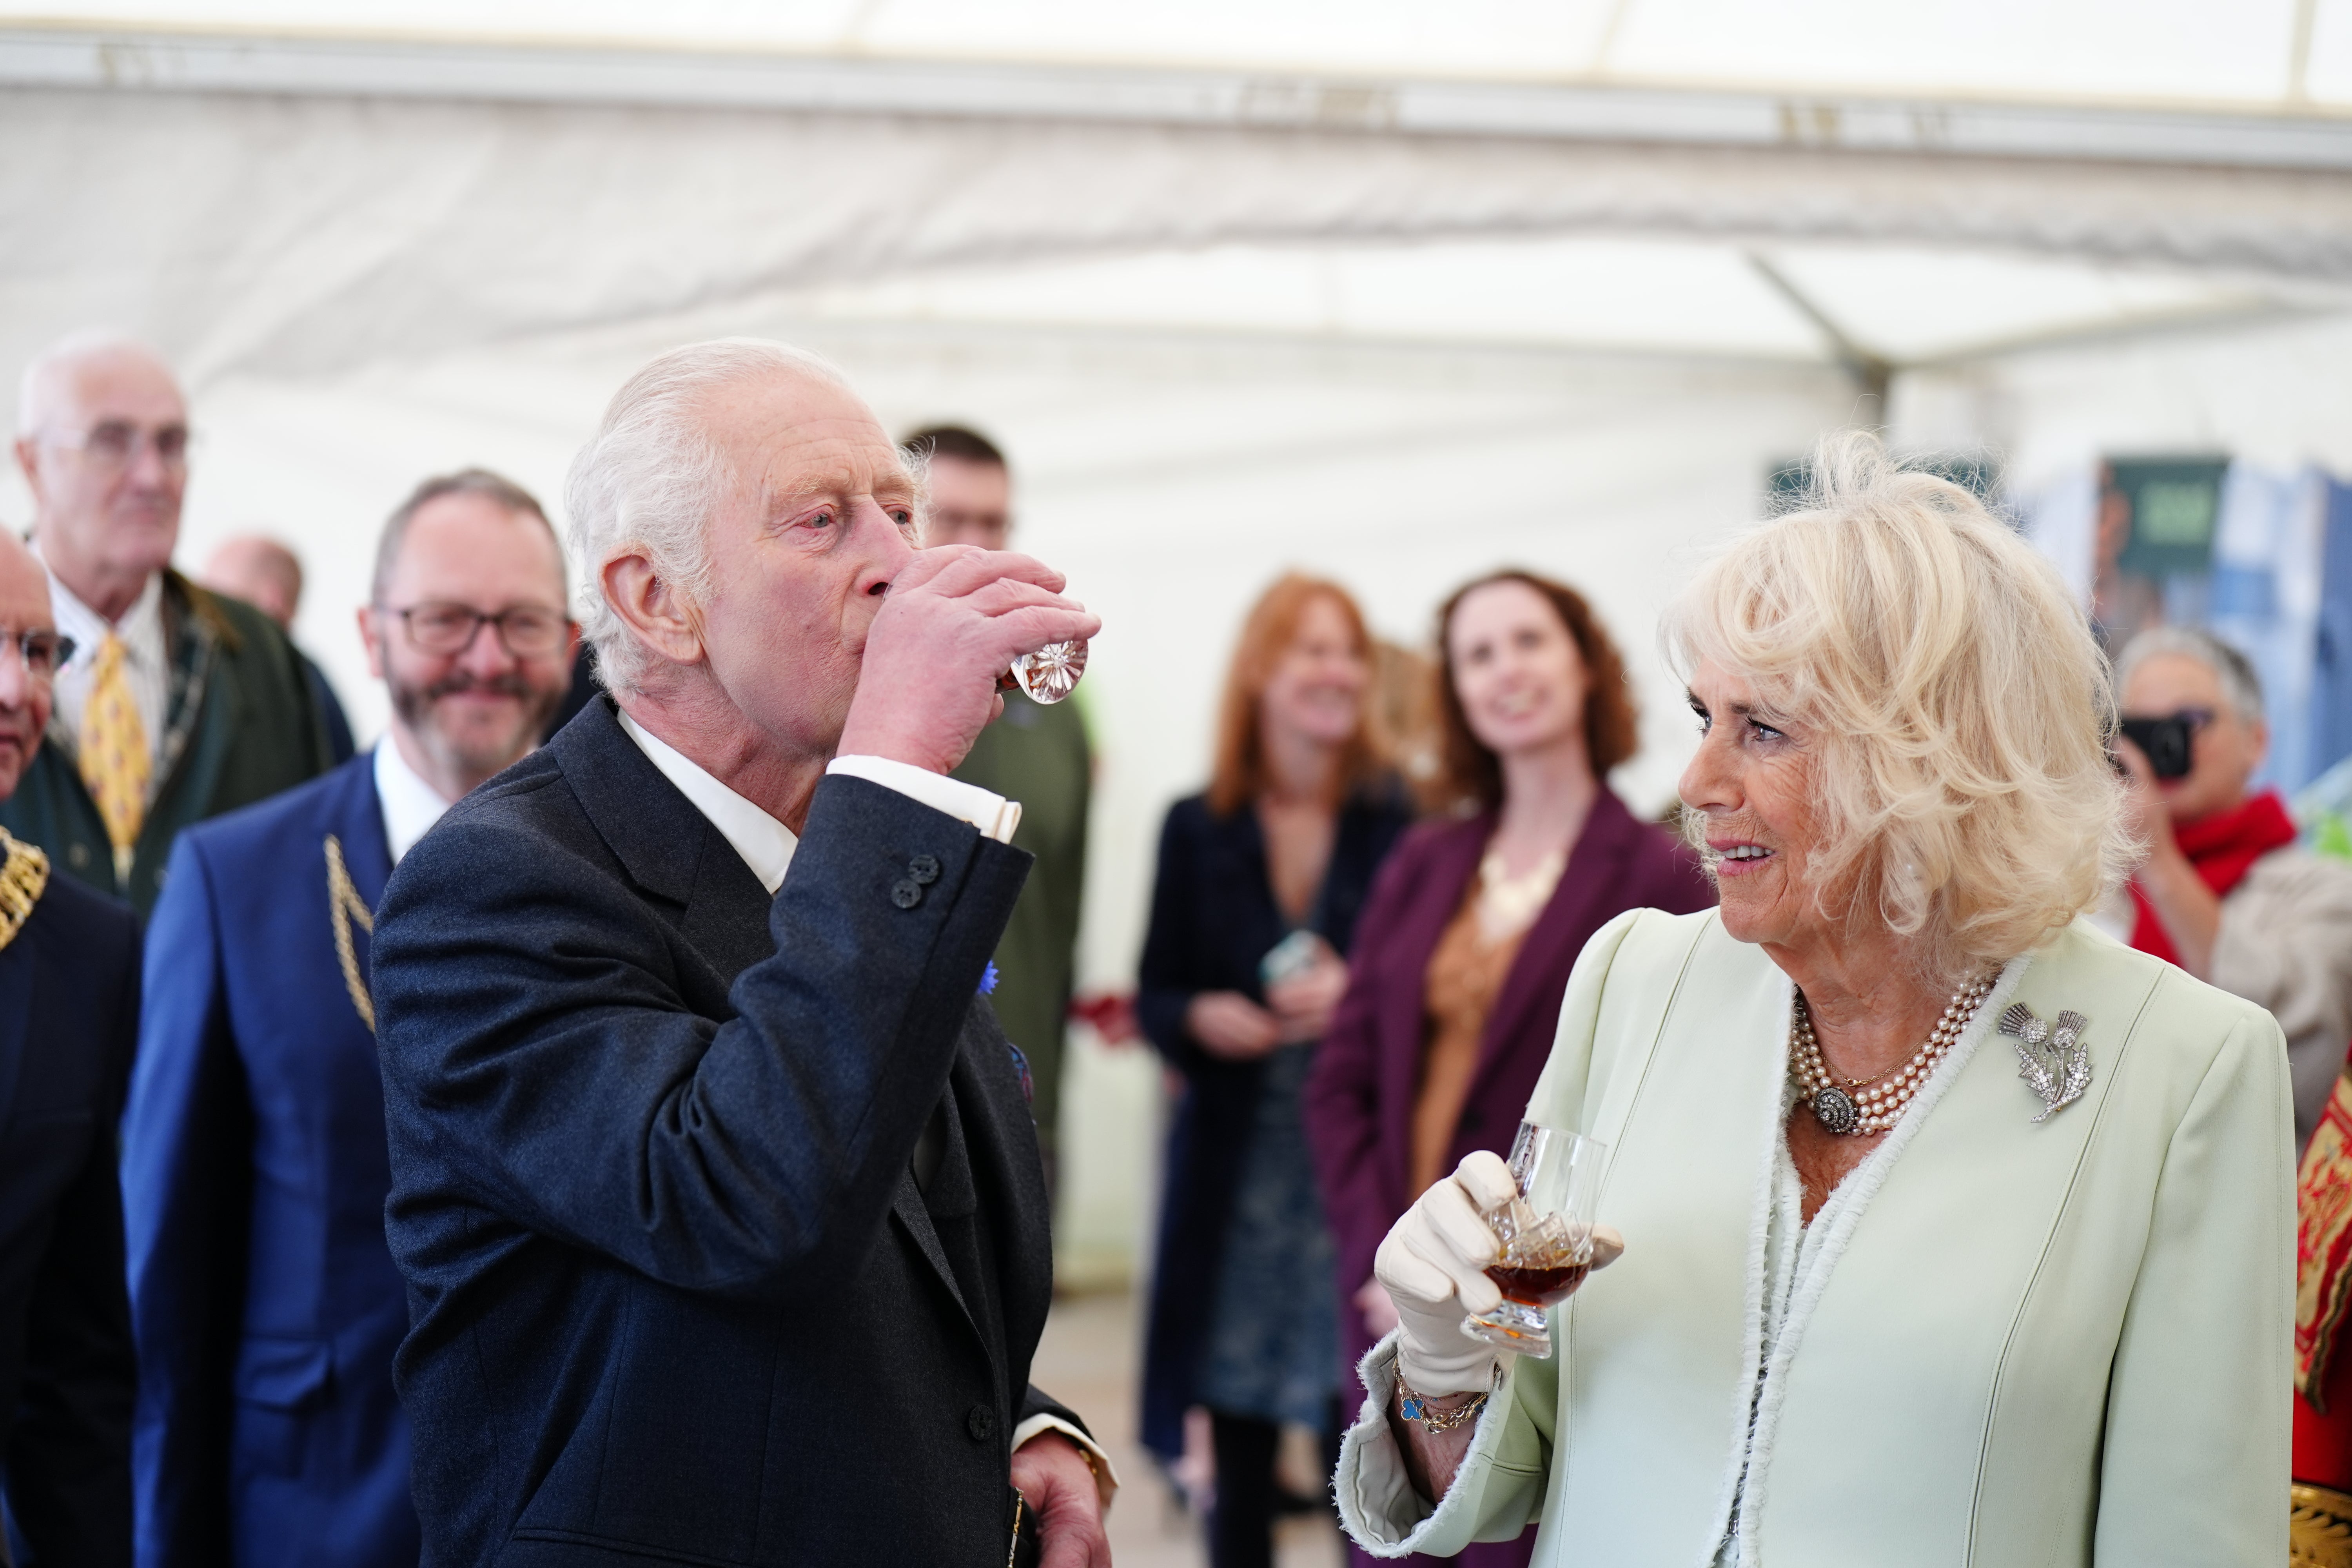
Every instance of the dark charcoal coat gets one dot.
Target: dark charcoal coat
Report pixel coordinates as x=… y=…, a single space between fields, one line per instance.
x=68 y=1022
x=675 y=1295
x=1213 y=918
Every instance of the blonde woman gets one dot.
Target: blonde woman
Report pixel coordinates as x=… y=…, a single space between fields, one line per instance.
x=1958 y=1232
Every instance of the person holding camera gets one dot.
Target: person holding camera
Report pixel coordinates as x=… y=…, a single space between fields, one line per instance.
x=2224 y=893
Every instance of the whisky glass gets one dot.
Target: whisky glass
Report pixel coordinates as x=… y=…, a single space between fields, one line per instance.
x=1545 y=1235
x=1048 y=675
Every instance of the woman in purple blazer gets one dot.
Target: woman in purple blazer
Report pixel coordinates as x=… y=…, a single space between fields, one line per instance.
x=1463 y=952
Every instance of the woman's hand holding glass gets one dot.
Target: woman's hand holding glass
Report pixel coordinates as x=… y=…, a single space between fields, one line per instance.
x=1434 y=1266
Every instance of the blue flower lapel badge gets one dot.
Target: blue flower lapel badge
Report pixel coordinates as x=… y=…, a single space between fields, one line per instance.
x=2051 y=1057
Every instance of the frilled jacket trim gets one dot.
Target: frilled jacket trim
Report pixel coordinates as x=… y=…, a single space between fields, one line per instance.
x=1748 y=1475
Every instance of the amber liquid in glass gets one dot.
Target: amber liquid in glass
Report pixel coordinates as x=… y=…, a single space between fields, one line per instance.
x=1539 y=1284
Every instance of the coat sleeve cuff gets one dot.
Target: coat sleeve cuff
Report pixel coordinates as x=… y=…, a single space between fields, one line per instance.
x=1105 y=1478
x=1378 y=1505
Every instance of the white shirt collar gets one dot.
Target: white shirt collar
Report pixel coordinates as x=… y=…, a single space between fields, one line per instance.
x=765 y=844
x=411 y=806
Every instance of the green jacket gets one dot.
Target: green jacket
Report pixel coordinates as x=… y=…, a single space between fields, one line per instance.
x=1038 y=755
x=239 y=726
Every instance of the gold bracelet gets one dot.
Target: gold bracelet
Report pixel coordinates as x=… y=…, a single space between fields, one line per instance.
x=1414 y=1406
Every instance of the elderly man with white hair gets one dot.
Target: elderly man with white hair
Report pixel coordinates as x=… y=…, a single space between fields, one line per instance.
x=2225 y=893
x=713 y=1179
x=179 y=703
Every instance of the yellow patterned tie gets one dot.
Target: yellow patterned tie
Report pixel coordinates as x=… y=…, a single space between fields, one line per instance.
x=114 y=760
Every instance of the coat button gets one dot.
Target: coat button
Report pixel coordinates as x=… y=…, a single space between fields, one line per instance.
x=79 y=854
x=905 y=892
x=981 y=1423
x=924 y=868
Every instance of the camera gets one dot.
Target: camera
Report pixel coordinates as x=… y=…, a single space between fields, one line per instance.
x=2165 y=742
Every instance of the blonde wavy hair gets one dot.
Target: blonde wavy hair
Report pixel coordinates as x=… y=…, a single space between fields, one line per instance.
x=1956 y=703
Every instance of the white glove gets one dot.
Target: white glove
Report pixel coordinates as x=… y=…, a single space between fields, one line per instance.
x=1432 y=1265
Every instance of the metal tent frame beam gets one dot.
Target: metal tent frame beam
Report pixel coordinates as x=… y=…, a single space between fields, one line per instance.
x=130 y=59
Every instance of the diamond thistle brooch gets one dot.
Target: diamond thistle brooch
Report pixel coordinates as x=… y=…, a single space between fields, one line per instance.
x=2051 y=1057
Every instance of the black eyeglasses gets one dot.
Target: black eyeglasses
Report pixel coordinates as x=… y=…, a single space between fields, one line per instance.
x=44 y=652
x=525 y=631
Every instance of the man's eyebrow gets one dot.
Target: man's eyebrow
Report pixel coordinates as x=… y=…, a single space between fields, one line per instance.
x=838 y=482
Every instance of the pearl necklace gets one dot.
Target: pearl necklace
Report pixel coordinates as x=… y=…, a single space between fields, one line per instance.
x=1875 y=1109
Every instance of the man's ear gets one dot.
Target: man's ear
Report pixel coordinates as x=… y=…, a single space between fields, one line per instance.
x=367 y=615
x=28 y=463
x=656 y=613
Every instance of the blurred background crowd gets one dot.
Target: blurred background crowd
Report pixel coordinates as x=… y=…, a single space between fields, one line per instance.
x=1375 y=372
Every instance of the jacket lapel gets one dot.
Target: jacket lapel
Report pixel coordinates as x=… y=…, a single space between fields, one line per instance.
x=358 y=813
x=669 y=849
x=907 y=1203
x=1003 y=1150
x=1594 y=873
x=640 y=814
x=1682 y=1310
x=988 y=1118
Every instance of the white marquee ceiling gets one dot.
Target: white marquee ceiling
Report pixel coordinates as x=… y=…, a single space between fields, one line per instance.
x=2249 y=53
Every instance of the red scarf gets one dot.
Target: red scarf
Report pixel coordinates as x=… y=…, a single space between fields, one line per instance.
x=2223 y=847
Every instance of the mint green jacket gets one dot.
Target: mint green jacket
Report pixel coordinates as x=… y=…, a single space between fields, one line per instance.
x=2052 y=1344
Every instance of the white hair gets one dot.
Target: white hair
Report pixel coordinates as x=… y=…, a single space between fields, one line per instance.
x=1960 y=703
x=2240 y=684
x=651 y=476
x=36 y=389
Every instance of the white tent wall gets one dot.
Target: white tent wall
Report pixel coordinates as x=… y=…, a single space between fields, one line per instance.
x=2275 y=392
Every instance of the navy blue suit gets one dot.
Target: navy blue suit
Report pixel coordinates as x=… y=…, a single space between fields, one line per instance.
x=253 y=1175
x=68 y=1020
x=679 y=1294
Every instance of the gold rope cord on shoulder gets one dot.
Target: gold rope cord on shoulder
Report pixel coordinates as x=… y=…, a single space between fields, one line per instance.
x=344 y=905
x=24 y=876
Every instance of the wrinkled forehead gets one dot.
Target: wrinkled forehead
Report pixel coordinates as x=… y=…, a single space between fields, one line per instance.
x=788 y=434
x=115 y=383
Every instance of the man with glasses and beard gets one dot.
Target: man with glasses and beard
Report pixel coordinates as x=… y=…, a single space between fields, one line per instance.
x=266 y=1304
x=179 y=703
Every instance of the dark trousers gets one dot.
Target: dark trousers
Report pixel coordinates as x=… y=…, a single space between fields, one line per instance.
x=1249 y=1497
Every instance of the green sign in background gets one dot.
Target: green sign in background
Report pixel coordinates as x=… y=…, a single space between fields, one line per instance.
x=2175 y=504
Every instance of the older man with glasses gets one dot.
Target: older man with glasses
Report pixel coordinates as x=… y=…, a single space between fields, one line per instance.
x=266 y=1304
x=179 y=703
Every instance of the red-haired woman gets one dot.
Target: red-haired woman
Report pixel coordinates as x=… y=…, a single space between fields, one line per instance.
x=1464 y=952
x=1260 y=880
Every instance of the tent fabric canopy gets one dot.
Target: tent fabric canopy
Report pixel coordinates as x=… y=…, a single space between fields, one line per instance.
x=300 y=231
